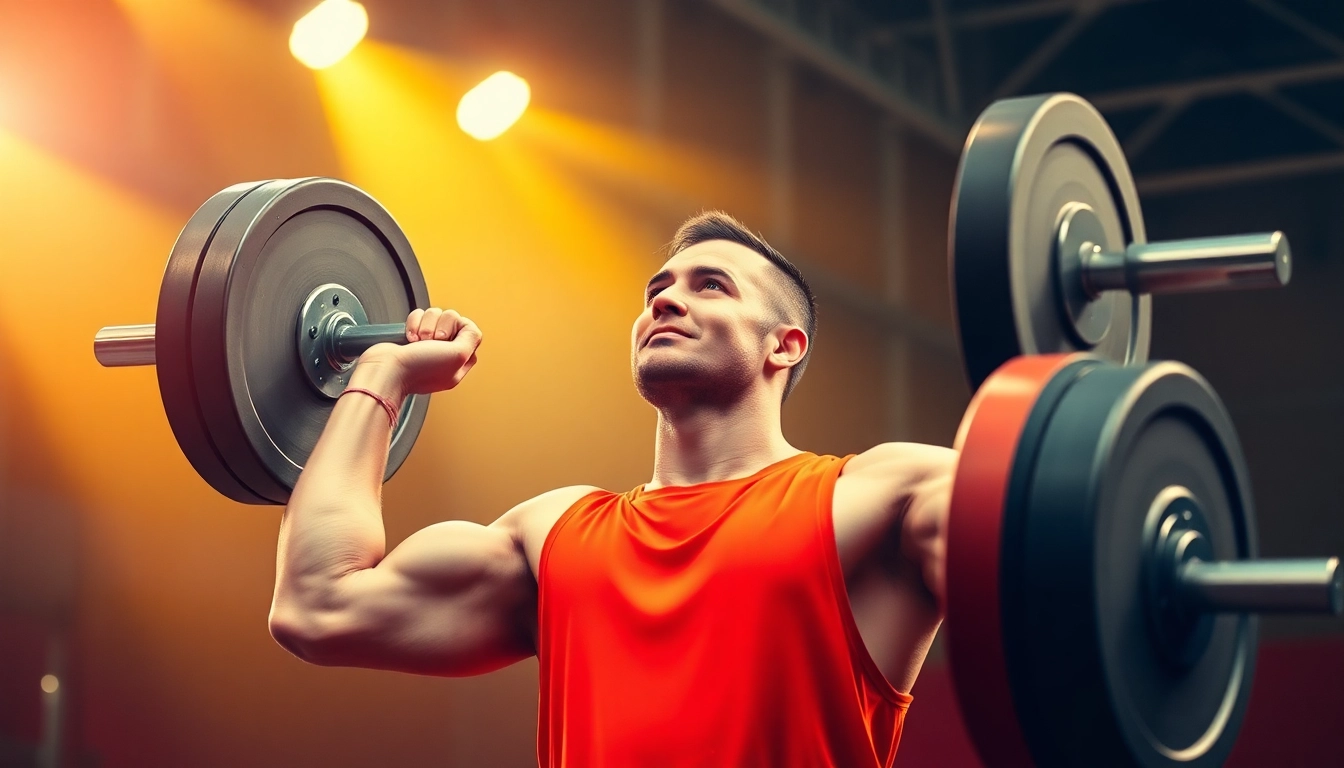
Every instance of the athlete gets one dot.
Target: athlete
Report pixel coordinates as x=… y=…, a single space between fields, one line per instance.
x=752 y=604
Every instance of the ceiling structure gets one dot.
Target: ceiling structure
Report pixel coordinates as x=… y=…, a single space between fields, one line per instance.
x=1201 y=93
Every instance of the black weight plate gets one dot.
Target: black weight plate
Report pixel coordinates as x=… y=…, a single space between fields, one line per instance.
x=172 y=345
x=271 y=251
x=1026 y=161
x=1095 y=689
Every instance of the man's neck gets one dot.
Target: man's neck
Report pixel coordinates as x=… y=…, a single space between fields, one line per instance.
x=700 y=444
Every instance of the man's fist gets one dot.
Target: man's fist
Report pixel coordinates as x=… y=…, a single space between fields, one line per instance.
x=441 y=350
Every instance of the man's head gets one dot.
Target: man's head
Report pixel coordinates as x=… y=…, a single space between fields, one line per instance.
x=737 y=310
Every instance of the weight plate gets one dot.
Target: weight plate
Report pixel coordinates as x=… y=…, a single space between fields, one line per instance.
x=998 y=440
x=1087 y=671
x=271 y=251
x=172 y=345
x=1027 y=163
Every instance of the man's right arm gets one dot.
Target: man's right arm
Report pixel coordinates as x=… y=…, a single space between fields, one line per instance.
x=456 y=598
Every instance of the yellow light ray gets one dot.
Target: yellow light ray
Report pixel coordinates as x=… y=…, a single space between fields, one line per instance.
x=80 y=253
x=658 y=168
x=250 y=105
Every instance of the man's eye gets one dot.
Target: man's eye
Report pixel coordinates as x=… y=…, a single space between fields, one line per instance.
x=713 y=282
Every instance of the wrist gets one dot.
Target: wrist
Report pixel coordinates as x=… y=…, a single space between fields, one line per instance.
x=382 y=376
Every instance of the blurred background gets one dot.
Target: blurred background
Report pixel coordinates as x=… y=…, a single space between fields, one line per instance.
x=133 y=599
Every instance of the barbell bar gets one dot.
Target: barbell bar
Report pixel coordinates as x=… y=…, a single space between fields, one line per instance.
x=129 y=345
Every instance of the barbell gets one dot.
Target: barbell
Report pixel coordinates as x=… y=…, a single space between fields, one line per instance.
x=1102 y=580
x=1102 y=577
x=1102 y=573
x=1047 y=247
x=271 y=292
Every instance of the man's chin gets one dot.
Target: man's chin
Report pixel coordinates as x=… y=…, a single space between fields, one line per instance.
x=669 y=386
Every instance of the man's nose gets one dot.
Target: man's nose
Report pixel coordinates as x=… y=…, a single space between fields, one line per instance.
x=668 y=301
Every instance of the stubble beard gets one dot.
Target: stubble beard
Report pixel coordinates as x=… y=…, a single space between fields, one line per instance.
x=679 y=380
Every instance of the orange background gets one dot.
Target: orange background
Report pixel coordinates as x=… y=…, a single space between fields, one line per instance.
x=118 y=119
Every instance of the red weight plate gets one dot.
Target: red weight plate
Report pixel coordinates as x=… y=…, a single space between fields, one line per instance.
x=989 y=439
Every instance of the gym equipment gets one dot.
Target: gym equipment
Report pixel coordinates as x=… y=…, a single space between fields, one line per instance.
x=1047 y=248
x=1101 y=568
x=271 y=292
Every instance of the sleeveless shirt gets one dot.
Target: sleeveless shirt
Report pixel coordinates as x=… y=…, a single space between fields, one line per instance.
x=707 y=625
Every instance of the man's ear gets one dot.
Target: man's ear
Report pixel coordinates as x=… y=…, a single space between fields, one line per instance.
x=790 y=346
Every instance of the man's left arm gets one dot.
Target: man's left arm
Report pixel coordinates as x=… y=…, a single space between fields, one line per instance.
x=923 y=540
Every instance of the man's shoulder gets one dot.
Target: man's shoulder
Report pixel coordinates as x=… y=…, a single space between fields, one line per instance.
x=530 y=522
x=549 y=506
x=916 y=459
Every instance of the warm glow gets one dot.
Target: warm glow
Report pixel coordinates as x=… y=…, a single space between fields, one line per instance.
x=490 y=108
x=328 y=32
x=50 y=683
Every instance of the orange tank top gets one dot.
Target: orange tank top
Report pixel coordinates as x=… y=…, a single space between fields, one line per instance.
x=708 y=625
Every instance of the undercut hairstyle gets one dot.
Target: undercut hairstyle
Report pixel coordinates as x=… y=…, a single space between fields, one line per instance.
x=791 y=300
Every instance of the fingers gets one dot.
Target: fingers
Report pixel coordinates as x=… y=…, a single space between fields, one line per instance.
x=413 y=324
x=442 y=325
x=431 y=324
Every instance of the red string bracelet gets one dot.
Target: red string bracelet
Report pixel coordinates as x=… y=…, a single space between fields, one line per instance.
x=383 y=401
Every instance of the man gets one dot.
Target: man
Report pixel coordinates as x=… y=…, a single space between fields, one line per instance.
x=751 y=605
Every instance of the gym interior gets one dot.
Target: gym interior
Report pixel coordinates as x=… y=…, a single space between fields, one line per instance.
x=134 y=596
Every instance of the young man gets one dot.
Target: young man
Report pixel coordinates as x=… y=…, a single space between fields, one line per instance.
x=751 y=605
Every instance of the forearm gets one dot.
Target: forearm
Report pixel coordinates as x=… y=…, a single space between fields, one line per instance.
x=333 y=523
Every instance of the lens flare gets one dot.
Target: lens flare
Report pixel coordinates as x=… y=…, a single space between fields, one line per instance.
x=328 y=32
x=491 y=107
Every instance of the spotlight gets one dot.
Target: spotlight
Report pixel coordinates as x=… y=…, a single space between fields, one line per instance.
x=492 y=106
x=328 y=32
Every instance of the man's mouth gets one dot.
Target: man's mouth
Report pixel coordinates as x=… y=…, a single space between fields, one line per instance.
x=665 y=332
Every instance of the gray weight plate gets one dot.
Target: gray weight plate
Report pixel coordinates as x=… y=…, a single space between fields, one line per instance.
x=1027 y=162
x=172 y=345
x=271 y=251
x=1091 y=679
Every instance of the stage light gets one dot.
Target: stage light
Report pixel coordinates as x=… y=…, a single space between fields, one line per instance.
x=328 y=32
x=492 y=106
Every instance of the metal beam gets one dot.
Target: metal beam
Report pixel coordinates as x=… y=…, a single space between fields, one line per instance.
x=779 y=142
x=992 y=16
x=1216 y=86
x=1238 y=173
x=1311 y=31
x=1049 y=50
x=649 y=16
x=806 y=46
x=894 y=211
x=1301 y=114
x=947 y=58
x=1148 y=131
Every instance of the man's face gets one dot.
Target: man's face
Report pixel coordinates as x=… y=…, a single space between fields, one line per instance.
x=702 y=337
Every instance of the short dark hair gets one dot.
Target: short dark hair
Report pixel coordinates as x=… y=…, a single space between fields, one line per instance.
x=793 y=302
